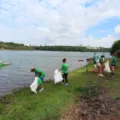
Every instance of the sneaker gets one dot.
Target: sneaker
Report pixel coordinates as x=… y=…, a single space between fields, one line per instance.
x=100 y=75
x=41 y=89
x=66 y=84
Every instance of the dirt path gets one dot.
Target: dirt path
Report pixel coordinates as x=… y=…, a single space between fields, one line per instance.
x=99 y=107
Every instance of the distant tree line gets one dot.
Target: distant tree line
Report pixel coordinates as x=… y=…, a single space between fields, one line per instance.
x=17 y=46
x=14 y=46
x=70 y=48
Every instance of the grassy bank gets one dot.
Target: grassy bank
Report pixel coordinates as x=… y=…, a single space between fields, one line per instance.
x=56 y=99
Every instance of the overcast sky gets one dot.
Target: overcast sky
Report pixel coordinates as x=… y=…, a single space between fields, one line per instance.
x=60 y=22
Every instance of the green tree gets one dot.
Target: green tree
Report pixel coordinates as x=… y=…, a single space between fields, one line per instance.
x=116 y=47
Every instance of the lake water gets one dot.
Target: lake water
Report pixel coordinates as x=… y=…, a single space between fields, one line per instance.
x=18 y=74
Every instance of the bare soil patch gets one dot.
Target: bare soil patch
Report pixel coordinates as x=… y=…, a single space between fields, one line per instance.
x=98 y=107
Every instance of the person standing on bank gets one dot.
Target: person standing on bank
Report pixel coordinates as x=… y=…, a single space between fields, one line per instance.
x=64 y=69
x=113 y=62
x=94 y=60
x=102 y=60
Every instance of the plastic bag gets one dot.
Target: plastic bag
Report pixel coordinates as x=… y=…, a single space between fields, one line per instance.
x=107 y=67
x=97 y=61
x=35 y=84
x=57 y=76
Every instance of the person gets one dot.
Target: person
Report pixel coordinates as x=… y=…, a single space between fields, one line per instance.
x=102 y=59
x=64 y=69
x=99 y=66
x=94 y=60
x=113 y=62
x=41 y=74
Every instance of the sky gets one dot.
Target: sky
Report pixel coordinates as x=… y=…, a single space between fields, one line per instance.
x=60 y=22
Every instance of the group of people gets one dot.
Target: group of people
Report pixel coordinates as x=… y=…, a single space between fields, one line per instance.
x=41 y=74
x=98 y=63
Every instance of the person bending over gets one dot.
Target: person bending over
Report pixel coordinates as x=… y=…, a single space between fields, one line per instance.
x=41 y=74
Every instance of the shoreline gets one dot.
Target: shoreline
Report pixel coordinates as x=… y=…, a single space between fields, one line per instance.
x=55 y=51
x=57 y=99
x=45 y=81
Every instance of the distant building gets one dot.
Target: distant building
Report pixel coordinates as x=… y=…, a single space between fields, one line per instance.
x=89 y=47
x=28 y=44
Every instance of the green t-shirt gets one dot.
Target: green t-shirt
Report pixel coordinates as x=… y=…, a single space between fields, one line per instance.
x=64 y=68
x=113 y=60
x=37 y=71
x=101 y=59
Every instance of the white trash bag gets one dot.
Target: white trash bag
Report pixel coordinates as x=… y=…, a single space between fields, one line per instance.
x=107 y=67
x=34 y=85
x=57 y=76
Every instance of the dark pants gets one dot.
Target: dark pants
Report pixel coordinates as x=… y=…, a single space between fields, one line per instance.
x=101 y=63
x=65 y=79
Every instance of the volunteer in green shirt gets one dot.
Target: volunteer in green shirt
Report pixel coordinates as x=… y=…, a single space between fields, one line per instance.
x=113 y=62
x=64 y=69
x=41 y=74
x=101 y=60
x=95 y=60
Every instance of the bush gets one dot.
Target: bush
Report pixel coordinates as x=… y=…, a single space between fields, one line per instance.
x=118 y=54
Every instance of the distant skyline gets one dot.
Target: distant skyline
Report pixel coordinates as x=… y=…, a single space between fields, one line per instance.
x=60 y=22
